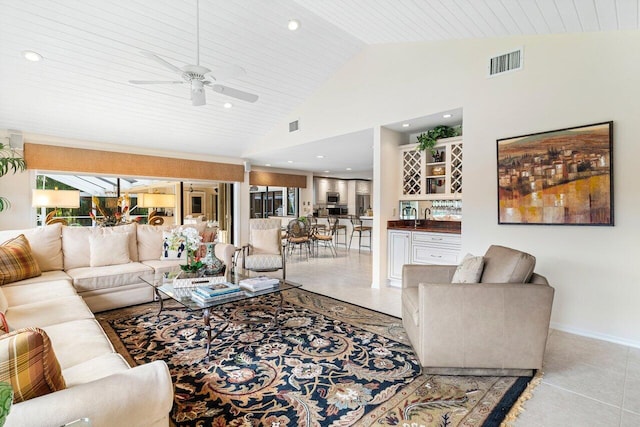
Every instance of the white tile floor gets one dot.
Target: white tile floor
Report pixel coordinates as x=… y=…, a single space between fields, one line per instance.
x=586 y=382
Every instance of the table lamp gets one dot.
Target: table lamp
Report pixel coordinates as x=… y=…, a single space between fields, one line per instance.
x=55 y=199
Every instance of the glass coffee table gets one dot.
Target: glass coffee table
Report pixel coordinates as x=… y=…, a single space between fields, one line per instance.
x=162 y=284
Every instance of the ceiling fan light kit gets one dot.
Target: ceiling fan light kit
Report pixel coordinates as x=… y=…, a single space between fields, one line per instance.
x=199 y=77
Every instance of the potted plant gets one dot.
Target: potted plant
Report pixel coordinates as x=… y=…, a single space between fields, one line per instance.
x=427 y=140
x=9 y=161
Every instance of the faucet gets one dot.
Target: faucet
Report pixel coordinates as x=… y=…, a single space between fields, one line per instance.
x=414 y=212
x=425 y=213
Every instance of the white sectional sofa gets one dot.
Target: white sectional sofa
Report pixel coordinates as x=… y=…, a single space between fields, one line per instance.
x=100 y=384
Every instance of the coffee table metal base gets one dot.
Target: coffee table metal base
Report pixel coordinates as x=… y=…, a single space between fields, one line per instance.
x=207 y=313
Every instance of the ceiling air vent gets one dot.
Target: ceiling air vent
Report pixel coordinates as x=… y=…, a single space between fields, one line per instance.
x=505 y=63
x=294 y=126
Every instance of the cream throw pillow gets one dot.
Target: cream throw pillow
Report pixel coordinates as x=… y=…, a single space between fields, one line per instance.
x=109 y=249
x=470 y=270
x=265 y=241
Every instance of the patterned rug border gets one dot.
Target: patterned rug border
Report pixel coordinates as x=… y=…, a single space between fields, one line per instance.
x=344 y=302
x=518 y=406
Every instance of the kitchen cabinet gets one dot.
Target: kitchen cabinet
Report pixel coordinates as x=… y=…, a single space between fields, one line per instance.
x=399 y=252
x=363 y=187
x=425 y=177
x=420 y=247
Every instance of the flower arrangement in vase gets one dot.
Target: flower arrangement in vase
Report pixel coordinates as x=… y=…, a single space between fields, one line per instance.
x=192 y=241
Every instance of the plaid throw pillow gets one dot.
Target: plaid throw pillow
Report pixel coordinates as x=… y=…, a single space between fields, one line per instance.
x=17 y=261
x=28 y=363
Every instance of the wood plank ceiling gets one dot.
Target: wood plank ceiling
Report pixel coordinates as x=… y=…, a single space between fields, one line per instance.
x=91 y=49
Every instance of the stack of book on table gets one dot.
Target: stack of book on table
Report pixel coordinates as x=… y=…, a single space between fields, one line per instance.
x=219 y=291
x=259 y=283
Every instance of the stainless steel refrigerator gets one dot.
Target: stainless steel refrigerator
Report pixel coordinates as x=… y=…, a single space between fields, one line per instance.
x=363 y=202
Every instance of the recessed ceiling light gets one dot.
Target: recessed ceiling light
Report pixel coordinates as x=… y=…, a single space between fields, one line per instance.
x=405 y=125
x=267 y=164
x=320 y=156
x=446 y=116
x=327 y=171
x=293 y=24
x=31 y=55
x=348 y=169
x=228 y=105
x=289 y=161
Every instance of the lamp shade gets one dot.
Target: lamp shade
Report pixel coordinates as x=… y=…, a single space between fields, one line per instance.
x=154 y=200
x=55 y=199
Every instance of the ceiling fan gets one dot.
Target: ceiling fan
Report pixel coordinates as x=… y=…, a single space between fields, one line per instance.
x=194 y=75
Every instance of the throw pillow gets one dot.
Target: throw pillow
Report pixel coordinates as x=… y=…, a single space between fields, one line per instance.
x=470 y=270
x=29 y=364
x=265 y=241
x=17 y=261
x=109 y=249
x=173 y=246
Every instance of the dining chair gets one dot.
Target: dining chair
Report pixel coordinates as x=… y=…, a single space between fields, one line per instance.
x=361 y=229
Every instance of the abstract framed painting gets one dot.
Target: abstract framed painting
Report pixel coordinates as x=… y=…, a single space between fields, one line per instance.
x=559 y=177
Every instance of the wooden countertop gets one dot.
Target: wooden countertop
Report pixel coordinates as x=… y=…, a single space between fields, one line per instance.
x=452 y=227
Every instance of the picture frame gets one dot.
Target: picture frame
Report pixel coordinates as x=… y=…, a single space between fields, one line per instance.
x=558 y=177
x=196 y=203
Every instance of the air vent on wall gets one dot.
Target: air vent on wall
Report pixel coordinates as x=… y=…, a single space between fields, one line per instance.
x=294 y=126
x=506 y=62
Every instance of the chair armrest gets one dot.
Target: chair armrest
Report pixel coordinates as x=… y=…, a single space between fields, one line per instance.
x=141 y=396
x=484 y=325
x=413 y=274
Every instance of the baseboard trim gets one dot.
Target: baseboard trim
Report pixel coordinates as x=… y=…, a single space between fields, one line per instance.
x=595 y=335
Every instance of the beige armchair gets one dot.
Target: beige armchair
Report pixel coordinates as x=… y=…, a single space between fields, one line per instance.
x=264 y=251
x=496 y=327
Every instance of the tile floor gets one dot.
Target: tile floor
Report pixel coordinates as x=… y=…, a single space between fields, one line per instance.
x=586 y=383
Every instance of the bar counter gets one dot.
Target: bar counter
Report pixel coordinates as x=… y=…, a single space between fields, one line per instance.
x=452 y=227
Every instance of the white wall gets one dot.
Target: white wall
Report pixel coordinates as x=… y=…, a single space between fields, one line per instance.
x=567 y=80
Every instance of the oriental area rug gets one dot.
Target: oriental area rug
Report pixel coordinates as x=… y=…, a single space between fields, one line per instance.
x=334 y=364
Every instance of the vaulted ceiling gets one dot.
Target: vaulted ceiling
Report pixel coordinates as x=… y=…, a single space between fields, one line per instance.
x=91 y=49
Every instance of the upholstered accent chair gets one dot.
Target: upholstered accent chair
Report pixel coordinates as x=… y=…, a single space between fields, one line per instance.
x=498 y=326
x=264 y=251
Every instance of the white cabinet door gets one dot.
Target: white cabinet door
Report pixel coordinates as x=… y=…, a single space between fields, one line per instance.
x=344 y=192
x=399 y=252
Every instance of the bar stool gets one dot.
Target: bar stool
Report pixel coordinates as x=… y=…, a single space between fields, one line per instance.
x=334 y=222
x=360 y=229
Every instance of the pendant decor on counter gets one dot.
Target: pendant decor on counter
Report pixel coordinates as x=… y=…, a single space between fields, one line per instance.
x=213 y=265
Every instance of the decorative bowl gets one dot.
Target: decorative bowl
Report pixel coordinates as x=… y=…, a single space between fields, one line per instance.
x=437 y=170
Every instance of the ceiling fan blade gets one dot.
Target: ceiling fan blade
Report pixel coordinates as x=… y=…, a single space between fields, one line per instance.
x=228 y=72
x=161 y=61
x=155 y=82
x=225 y=90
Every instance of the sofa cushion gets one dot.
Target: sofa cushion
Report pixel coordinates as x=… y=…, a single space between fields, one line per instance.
x=410 y=298
x=131 y=231
x=75 y=245
x=263 y=262
x=110 y=276
x=28 y=362
x=94 y=369
x=46 y=244
x=46 y=276
x=4 y=303
x=50 y=312
x=149 y=239
x=109 y=249
x=265 y=241
x=469 y=270
x=42 y=291
x=78 y=341
x=17 y=261
x=506 y=265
